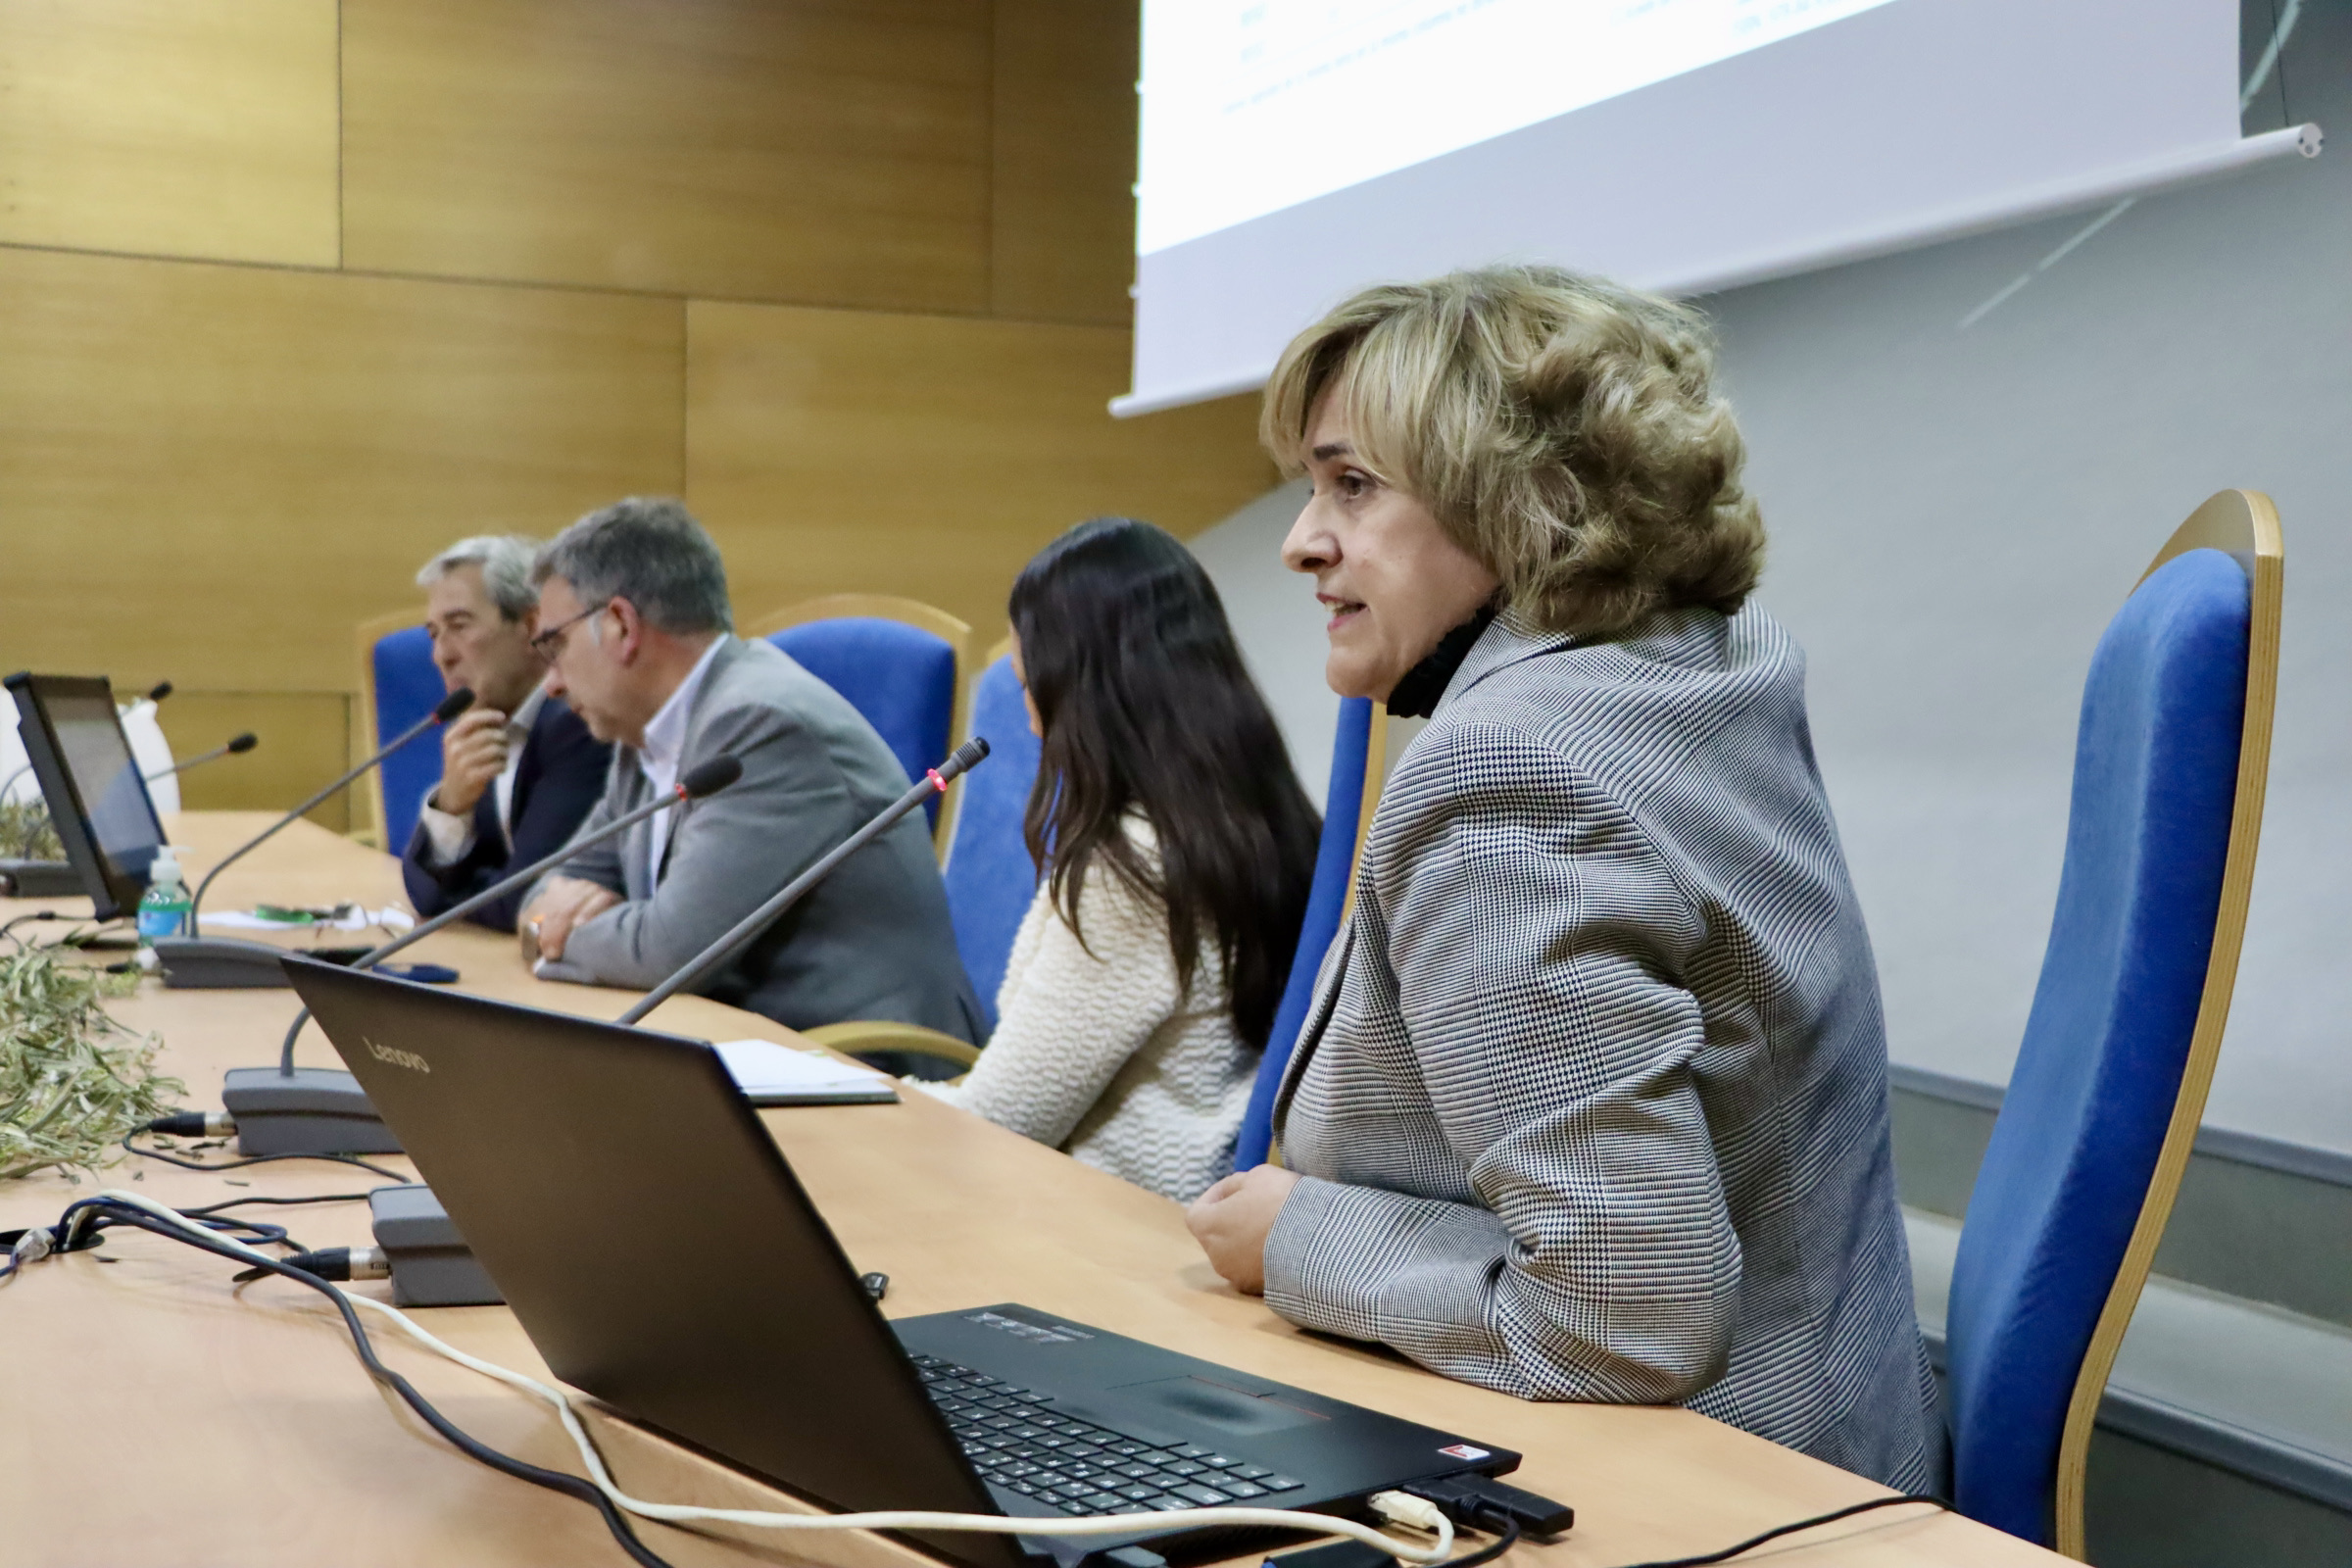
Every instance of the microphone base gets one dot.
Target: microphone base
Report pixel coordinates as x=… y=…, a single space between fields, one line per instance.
x=431 y=1264
x=231 y=963
x=317 y=1111
x=220 y=963
x=39 y=879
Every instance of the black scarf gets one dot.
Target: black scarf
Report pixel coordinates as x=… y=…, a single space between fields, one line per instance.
x=1417 y=691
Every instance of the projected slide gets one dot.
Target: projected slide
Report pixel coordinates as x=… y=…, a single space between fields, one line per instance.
x=1250 y=106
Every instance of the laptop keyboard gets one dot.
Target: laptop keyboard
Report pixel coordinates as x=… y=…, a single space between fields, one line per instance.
x=1014 y=1439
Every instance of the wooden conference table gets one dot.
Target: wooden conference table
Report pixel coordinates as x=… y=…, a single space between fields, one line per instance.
x=151 y=1411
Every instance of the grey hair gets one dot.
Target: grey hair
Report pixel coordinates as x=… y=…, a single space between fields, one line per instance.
x=649 y=551
x=506 y=562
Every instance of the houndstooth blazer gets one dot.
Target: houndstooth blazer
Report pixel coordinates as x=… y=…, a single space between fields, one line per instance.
x=1592 y=1101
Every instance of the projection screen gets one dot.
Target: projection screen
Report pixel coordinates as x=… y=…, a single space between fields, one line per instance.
x=1293 y=150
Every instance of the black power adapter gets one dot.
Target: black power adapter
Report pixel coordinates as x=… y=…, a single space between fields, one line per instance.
x=1471 y=1503
x=1482 y=1502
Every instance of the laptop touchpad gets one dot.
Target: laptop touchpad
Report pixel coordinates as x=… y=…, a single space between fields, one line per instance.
x=1213 y=1404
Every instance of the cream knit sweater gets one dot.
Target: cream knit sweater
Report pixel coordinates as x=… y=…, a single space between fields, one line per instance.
x=1099 y=1054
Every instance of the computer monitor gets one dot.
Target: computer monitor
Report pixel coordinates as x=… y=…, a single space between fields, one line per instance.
x=98 y=802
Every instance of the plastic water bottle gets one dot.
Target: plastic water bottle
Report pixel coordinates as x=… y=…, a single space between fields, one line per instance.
x=163 y=908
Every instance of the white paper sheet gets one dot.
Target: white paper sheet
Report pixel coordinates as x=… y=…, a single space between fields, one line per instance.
x=769 y=1074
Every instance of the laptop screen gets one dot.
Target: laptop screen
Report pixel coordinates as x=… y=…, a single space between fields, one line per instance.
x=122 y=817
x=97 y=801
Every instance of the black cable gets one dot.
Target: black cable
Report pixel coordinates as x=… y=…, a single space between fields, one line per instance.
x=254 y=1160
x=87 y=1236
x=561 y=1481
x=617 y=1523
x=9 y=929
x=1776 y=1533
x=1502 y=1543
x=323 y=1197
x=258 y=1231
x=88 y=931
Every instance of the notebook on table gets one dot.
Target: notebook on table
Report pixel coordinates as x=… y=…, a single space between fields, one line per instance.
x=770 y=1074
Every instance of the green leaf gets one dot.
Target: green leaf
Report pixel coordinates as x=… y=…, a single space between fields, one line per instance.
x=72 y=1081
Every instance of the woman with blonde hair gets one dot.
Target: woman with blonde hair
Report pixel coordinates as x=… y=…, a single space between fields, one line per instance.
x=1591 y=1103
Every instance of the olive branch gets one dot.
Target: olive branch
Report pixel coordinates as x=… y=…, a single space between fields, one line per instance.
x=72 y=1081
x=27 y=833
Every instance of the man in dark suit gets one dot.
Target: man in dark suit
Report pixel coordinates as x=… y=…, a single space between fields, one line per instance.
x=519 y=768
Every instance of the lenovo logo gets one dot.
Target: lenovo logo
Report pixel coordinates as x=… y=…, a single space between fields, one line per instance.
x=398 y=1058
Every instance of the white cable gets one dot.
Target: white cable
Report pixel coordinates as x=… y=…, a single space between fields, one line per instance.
x=1391 y=1504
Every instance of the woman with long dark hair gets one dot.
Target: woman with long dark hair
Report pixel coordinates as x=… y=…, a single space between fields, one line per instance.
x=1174 y=848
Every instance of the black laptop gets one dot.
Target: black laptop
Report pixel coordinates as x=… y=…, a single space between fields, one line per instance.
x=97 y=801
x=662 y=1256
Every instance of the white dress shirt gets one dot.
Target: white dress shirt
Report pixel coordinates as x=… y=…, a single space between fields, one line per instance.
x=448 y=837
x=663 y=749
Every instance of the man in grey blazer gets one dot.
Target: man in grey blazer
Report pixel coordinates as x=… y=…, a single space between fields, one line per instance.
x=638 y=639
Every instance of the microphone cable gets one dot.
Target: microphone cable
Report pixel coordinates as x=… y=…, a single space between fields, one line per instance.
x=119 y=1210
x=1778 y=1531
x=8 y=929
x=159 y=1125
x=36 y=1241
x=1505 y=1531
x=600 y=1489
x=87 y=929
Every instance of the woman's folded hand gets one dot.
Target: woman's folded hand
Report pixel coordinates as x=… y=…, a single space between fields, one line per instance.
x=1232 y=1220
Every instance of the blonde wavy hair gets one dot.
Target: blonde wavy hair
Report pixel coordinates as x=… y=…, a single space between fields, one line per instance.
x=1564 y=431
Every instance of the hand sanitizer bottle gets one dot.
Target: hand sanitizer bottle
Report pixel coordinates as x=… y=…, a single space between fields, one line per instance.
x=164 y=908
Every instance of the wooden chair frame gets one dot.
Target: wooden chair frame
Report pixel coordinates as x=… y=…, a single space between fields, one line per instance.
x=372 y=787
x=957 y=635
x=2246 y=524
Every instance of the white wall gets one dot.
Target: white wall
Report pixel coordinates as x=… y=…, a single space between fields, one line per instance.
x=1279 y=625
x=1954 y=515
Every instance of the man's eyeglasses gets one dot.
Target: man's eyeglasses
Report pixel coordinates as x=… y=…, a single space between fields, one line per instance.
x=549 y=643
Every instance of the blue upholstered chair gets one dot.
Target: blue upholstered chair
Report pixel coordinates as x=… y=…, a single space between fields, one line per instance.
x=899 y=662
x=2119 y=1049
x=398 y=685
x=989 y=876
x=1346 y=804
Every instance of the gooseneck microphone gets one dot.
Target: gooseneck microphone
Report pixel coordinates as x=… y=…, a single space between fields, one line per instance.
x=451 y=707
x=210 y=963
x=236 y=746
x=968 y=756
x=322 y=1111
x=709 y=778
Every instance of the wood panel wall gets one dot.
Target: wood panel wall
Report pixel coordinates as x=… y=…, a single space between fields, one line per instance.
x=293 y=292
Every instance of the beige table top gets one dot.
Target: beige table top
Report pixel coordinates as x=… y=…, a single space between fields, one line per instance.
x=152 y=1411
